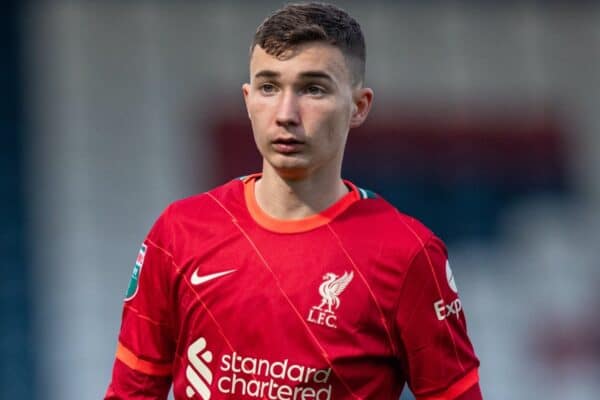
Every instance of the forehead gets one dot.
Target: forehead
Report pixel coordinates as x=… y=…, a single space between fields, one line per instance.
x=306 y=57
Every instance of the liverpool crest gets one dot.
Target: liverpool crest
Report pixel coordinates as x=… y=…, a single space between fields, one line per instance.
x=330 y=291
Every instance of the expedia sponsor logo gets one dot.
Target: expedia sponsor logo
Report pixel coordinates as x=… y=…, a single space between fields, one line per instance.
x=254 y=378
x=443 y=310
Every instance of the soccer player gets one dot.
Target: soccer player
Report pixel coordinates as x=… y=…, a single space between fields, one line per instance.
x=293 y=283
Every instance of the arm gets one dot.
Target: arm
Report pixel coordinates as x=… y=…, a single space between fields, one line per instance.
x=145 y=348
x=438 y=358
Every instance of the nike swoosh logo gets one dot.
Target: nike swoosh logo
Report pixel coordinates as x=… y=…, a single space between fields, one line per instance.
x=199 y=279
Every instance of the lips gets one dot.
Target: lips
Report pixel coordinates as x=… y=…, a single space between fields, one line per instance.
x=289 y=140
x=287 y=145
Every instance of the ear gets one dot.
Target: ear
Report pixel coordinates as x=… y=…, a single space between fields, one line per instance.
x=362 y=100
x=246 y=93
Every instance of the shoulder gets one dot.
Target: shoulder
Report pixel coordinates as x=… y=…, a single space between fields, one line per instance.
x=198 y=210
x=377 y=209
x=200 y=203
x=384 y=223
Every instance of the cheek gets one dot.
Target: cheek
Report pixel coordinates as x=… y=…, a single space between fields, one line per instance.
x=323 y=114
x=258 y=115
x=337 y=123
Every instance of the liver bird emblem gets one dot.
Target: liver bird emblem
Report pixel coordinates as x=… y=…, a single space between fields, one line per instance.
x=332 y=287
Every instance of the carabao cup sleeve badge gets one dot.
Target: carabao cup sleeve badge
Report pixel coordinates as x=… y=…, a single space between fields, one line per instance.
x=135 y=275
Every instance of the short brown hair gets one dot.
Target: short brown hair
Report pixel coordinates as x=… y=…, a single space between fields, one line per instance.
x=296 y=24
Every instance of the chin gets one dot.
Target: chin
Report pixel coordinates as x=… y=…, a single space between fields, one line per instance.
x=289 y=165
x=292 y=174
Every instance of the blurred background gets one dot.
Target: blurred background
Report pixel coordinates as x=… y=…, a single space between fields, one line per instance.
x=485 y=126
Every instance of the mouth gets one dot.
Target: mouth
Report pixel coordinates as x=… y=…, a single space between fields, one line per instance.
x=287 y=140
x=287 y=145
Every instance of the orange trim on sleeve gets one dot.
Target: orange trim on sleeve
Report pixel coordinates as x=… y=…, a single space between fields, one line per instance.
x=127 y=357
x=457 y=388
x=295 y=225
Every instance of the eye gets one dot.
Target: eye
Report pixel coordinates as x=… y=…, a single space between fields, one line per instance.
x=314 y=90
x=267 y=88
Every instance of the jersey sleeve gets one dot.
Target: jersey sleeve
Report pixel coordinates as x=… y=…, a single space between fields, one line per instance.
x=438 y=359
x=145 y=348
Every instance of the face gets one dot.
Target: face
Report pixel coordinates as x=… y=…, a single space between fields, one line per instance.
x=301 y=107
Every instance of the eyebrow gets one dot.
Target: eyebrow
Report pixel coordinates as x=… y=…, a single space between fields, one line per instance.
x=265 y=73
x=307 y=74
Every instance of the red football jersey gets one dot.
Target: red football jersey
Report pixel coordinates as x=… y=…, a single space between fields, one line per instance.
x=227 y=302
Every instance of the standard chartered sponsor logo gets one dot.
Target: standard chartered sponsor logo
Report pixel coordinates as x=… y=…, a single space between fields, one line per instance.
x=251 y=377
x=259 y=378
x=197 y=372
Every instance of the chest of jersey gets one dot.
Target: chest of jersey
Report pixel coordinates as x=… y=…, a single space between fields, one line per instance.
x=265 y=315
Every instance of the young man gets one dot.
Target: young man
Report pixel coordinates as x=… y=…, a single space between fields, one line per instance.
x=293 y=283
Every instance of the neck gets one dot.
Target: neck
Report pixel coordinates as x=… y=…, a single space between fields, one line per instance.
x=289 y=199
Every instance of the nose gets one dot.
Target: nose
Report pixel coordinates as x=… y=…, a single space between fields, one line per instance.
x=287 y=110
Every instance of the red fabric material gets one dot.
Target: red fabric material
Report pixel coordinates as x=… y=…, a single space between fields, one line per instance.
x=344 y=310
